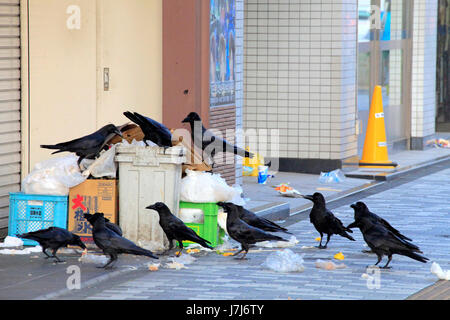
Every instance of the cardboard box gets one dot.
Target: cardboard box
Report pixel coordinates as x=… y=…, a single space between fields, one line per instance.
x=93 y=195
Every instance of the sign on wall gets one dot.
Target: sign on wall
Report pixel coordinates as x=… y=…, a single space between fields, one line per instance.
x=222 y=52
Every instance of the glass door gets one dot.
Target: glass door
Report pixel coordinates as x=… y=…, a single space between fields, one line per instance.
x=384 y=41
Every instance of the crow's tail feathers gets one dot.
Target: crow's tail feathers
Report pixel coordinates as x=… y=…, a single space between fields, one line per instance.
x=414 y=256
x=142 y=252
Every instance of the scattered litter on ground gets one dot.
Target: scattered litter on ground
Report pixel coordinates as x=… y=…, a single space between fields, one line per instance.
x=279 y=244
x=27 y=250
x=286 y=190
x=11 y=242
x=438 y=143
x=318 y=239
x=339 y=256
x=441 y=274
x=284 y=261
x=307 y=247
x=334 y=176
x=329 y=265
x=180 y=262
x=93 y=258
x=153 y=266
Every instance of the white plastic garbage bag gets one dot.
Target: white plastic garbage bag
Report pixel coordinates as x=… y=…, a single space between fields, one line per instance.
x=284 y=261
x=103 y=166
x=441 y=274
x=53 y=177
x=203 y=187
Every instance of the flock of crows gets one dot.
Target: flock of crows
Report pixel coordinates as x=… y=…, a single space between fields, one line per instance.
x=242 y=225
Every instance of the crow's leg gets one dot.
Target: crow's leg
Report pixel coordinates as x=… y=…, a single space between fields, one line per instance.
x=387 y=263
x=112 y=258
x=328 y=240
x=245 y=248
x=180 y=245
x=378 y=261
x=242 y=249
x=54 y=255
x=320 y=243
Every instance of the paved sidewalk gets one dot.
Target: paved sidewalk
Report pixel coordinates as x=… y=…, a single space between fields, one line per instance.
x=420 y=209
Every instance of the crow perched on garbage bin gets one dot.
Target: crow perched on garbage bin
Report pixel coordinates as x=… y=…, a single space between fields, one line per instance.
x=152 y=129
x=175 y=229
x=209 y=141
x=324 y=220
x=383 y=242
x=53 y=238
x=89 y=146
x=361 y=210
x=242 y=232
x=112 y=226
x=259 y=222
x=111 y=243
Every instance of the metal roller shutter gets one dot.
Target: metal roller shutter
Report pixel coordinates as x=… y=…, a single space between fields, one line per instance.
x=10 y=142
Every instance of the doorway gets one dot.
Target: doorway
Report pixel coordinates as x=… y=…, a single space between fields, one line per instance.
x=443 y=68
x=384 y=58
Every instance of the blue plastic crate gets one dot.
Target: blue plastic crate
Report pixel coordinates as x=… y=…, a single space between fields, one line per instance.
x=31 y=212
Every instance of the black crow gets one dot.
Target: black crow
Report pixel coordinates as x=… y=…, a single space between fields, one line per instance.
x=111 y=243
x=384 y=242
x=209 y=141
x=175 y=229
x=324 y=220
x=53 y=238
x=112 y=226
x=361 y=210
x=259 y=222
x=88 y=146
x=242 y=232
x=152 y=129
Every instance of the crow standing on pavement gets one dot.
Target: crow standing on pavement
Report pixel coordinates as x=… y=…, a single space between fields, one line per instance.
x=112 y=226
x=361 y=211
x=53 y=238
x=88 y=146
x=259 y=222
x=152 y=129
x=111 y=243
x=324 y=220
x=383 y=242
x=175 y=229
x=242 y=232
x=210 y=141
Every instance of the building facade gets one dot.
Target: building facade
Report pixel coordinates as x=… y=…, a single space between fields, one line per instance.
x=305 y=69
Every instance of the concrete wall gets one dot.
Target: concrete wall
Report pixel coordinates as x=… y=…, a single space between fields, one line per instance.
x=63 y=61
x=423 y=115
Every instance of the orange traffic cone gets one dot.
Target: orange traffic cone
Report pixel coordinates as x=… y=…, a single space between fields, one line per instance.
x=375 y=152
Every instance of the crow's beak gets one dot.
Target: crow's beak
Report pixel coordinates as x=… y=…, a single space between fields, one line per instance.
x=221 y=204
x=353 y=206
x=87 y=215
x=118 y=132
x=185 y=120
x=152 y=207
x=310 y=198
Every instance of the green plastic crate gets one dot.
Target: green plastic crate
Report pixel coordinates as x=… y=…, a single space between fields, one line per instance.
x=209 y=229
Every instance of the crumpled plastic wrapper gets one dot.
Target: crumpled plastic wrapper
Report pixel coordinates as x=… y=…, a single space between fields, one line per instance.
x=441 y=274
x=329 y=265
x=284 y=261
